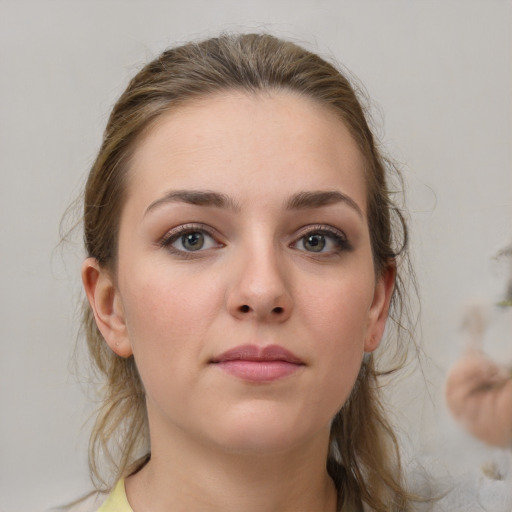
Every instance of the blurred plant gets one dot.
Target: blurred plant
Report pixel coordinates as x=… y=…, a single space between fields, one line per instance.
x=506 y=253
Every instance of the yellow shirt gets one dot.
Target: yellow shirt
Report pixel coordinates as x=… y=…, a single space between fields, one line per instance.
x=116 y=501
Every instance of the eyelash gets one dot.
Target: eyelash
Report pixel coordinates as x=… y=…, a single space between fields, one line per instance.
x=338 y=237
x=174 y=235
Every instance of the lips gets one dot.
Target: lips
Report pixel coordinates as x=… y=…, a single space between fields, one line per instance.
x=258 y=364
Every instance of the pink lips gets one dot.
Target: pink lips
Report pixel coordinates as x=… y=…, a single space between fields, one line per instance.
x=258 y=364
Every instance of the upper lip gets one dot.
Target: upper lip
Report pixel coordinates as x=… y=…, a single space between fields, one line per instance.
x=258 y=353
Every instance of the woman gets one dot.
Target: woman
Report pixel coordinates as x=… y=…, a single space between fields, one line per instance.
x=243 y=255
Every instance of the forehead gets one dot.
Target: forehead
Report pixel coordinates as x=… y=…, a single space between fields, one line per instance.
x=242 y=142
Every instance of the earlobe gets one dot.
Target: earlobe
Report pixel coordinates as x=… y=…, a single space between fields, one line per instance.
x=107 y=306
x=379 y=310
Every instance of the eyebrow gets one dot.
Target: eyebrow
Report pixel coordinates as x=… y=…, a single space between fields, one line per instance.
x=299 y=201
x=317 y=199
x=195 y=197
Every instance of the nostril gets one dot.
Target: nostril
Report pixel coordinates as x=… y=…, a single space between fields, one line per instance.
x=278 y=310
x=245 y=308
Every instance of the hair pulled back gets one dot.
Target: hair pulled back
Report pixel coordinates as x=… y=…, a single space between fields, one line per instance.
x=364 y=460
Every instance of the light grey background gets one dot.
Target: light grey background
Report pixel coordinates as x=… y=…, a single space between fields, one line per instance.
x=440 y=75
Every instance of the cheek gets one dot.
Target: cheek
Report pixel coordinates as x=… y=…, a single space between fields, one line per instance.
x=337 y=323
x=159 y=297
x=340 y=308
x=168 y=318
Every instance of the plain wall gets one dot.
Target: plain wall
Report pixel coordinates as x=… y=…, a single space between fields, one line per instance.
x=440 y=75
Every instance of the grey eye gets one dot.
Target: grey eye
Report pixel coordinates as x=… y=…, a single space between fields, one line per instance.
x=187 y=239
x=314 y=243
x=321 y=240
x=192 y=241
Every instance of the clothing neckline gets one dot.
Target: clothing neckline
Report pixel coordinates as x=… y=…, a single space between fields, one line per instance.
x=116 y=500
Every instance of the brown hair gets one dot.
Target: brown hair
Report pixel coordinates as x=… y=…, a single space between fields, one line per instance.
x=364 y=459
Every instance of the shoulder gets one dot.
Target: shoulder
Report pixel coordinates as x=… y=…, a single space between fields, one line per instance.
x=97 y=501
x=89 y=503
x=116 y=500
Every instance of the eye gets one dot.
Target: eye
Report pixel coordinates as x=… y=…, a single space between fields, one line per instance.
x=314 y=243
x=193 y=241
x=188 y=239
x=322 y=240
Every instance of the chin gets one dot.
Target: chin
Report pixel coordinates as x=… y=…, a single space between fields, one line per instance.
x=259 y=442
x=264 y=432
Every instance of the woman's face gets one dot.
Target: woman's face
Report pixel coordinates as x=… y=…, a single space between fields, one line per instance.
x=245 y=285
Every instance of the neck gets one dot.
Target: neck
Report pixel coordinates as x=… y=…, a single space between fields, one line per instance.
x=186 y=475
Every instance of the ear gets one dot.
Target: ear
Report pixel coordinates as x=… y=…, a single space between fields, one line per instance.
x=107 y=306
x=379 y=309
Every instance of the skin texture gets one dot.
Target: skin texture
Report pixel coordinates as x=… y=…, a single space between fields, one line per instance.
x=220 y=442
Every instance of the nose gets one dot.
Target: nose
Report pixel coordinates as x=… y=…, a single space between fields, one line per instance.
x=260 y=289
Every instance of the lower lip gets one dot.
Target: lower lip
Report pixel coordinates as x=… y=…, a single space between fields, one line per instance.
x=259 y=371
